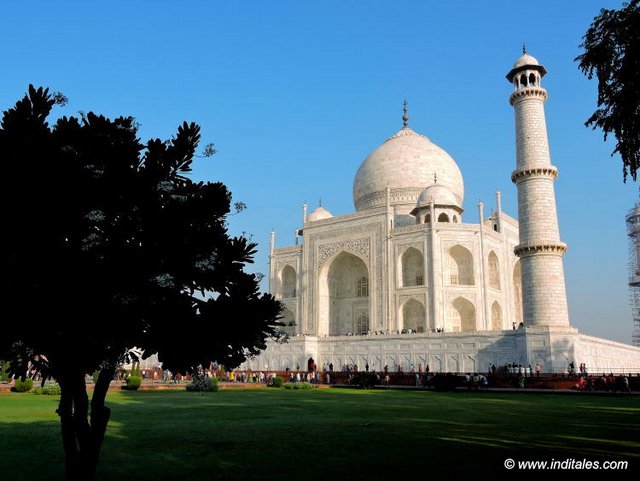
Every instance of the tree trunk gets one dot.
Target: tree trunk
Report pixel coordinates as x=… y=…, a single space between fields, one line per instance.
x=100 y=414
x=82 y=436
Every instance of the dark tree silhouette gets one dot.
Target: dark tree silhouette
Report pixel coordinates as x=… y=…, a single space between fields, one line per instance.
x=108 y=245
x=612 y=54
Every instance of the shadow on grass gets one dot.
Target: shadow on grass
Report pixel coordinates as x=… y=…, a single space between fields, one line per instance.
x=347 y=434
x=337 y=434
x=30 y=441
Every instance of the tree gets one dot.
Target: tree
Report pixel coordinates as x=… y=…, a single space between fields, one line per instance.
x=612 y=54
x=109 y=245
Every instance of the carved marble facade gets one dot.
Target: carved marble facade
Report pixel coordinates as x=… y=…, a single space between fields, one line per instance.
x=439 y=265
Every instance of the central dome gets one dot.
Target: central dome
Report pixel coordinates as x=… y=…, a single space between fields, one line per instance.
x=407 y=163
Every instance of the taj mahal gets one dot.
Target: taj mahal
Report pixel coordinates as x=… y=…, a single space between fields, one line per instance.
x=403 y=281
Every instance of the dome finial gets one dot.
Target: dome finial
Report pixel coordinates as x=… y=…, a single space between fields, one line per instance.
x=320 y=202
x=405 y=117
x=524 y=49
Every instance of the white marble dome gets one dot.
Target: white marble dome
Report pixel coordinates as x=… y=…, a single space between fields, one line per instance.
x=319 y=214
x=440 y=195
x=525 y=59
x=406 y=163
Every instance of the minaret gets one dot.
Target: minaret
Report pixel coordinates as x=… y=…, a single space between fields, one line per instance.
x=540 y=250
x=272 y=245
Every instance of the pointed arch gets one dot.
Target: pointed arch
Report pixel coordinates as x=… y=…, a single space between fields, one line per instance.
x=288 y=319
x=452 y=363
x=468 y=363
x=517 y=292
x=523 y=80
x=494 y=271
x=443 y=217
x=343 y=296
x=459 y=266
x=496 y=317
x=413 y=316
x=412 y=265
x=288 y=277
x=462 y=315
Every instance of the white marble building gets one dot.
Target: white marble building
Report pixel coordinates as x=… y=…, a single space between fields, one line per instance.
x=405 y=281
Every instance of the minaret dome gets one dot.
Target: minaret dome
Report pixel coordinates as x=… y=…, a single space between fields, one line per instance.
x=526 y=72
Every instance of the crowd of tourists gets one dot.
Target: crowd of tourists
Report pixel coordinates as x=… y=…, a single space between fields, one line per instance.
x=476 y=381
x=604 y=382
x=379 y=332
x=515 y=369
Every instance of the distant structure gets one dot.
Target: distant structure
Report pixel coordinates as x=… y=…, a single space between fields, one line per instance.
x=404 y=282
x=633 y=230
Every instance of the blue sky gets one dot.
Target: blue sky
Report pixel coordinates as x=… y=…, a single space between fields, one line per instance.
x=296 y=94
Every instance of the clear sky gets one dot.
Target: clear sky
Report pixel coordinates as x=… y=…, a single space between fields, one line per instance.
x=296 y=94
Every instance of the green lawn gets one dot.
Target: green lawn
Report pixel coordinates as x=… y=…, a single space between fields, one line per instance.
x=325 y=434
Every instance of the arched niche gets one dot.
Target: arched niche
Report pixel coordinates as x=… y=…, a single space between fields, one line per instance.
x=459 y=266
x=413 y=316
x=496 y=317
x=412 y=265
x=288 y=277
x=517 y=292
x=288 y=319
x=343 y=296
x=494 y=271
x=462 y=315
x=523 y=80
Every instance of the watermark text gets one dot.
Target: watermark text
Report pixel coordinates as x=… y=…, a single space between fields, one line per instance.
x=565 y=464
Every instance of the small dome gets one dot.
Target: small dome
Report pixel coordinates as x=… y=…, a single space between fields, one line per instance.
x=440 y=195
x=526 y=59
x=319 y=214
x=526 y=62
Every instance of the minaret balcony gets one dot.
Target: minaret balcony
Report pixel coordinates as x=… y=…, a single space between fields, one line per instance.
x=548 y=171
x=519 y=94
x=542 y=247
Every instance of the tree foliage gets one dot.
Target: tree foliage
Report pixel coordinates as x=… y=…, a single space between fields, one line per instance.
x=109 y=245
x=612 y=55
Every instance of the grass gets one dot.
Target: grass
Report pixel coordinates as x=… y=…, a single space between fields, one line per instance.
x=323 y=434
